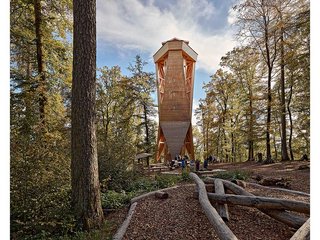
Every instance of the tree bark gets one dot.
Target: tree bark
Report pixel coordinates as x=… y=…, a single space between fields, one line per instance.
x=222 y=230
x=250 y=142
x=244 y=184
x=260 y=202
x=269 y=158
x=40 y=62
x=288 y=218
x=291 y=122
x=147 y=140
x=161 y=195
x=222 y=209
x=284 y=151
x=303 y=233
x=86 y=200
x=136 y=199
x=123 y=228
x=270 y=66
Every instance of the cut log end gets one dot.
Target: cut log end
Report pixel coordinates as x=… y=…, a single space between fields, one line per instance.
x=161 y=195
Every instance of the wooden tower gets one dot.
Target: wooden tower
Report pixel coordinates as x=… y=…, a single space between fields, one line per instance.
x=175 y=67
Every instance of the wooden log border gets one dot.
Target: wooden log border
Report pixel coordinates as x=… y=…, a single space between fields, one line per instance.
x=303 y=233
x=222 y=230
x=261 y=202
x=123 y=228
x=135 y=199
x=283 y=216
x=241 y=182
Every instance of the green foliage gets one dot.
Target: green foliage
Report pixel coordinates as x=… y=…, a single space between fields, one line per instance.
x=40 y=155
x=112 y=199
x=104 y=233
x=185 y=176
x=235 y=116
x=164 y=181
x=135 y=183
x=234 y=175
x=120 y=195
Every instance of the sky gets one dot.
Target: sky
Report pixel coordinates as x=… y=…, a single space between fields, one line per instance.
x=130 y=27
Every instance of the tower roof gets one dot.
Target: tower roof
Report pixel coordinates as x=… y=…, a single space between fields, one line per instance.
x=175 y=39
x=175 y=44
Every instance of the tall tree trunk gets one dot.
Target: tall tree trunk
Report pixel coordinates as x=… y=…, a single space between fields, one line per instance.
x=291 y=122
x=40 y=61
x=86 y=200
x=275 y=147
x=269 y=159
x=218 y=144
x=250 y=142
x=204 y=133
x=147 y=138
x=284 y=151
x=269 y=65
x=207 y=139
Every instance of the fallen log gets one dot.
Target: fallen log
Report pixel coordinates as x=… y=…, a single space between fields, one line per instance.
x=302 y=167
x=261 y=202
x=161 y=195
x=123 y=228
x=135 y=199
x=303 y=233
x=283 y=216
x=245 y=184
x=222 y=230
x=209 y=188
x=270 y=181
x=222 y=209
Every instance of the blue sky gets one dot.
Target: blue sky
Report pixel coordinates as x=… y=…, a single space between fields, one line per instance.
x=130 y=27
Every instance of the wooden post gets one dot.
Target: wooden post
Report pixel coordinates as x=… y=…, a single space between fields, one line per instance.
x=222 y=209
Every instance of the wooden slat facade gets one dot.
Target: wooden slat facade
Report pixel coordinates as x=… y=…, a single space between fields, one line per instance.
x=175 y=66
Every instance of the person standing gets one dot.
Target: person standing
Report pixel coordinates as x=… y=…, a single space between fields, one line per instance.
x=197 y=165
x=192 y=165
x=183 y=163
x=205 y=164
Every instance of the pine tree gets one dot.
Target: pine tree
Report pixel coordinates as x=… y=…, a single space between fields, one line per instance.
x=86 y=200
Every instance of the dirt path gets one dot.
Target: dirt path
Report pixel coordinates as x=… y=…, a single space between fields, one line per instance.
x=181 y=217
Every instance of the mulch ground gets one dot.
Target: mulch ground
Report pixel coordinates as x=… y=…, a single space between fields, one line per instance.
x=181 y=217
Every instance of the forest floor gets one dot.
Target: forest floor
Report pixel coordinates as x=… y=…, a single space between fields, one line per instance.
x=180 y=216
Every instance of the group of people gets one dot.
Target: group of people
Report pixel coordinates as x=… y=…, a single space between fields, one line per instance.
x=194 y=164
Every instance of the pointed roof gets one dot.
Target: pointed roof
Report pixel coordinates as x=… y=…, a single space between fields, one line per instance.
x=175 y=44
x=175 y=39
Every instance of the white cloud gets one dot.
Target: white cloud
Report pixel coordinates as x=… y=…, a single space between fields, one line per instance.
x=231 y=16
x=132 y=25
